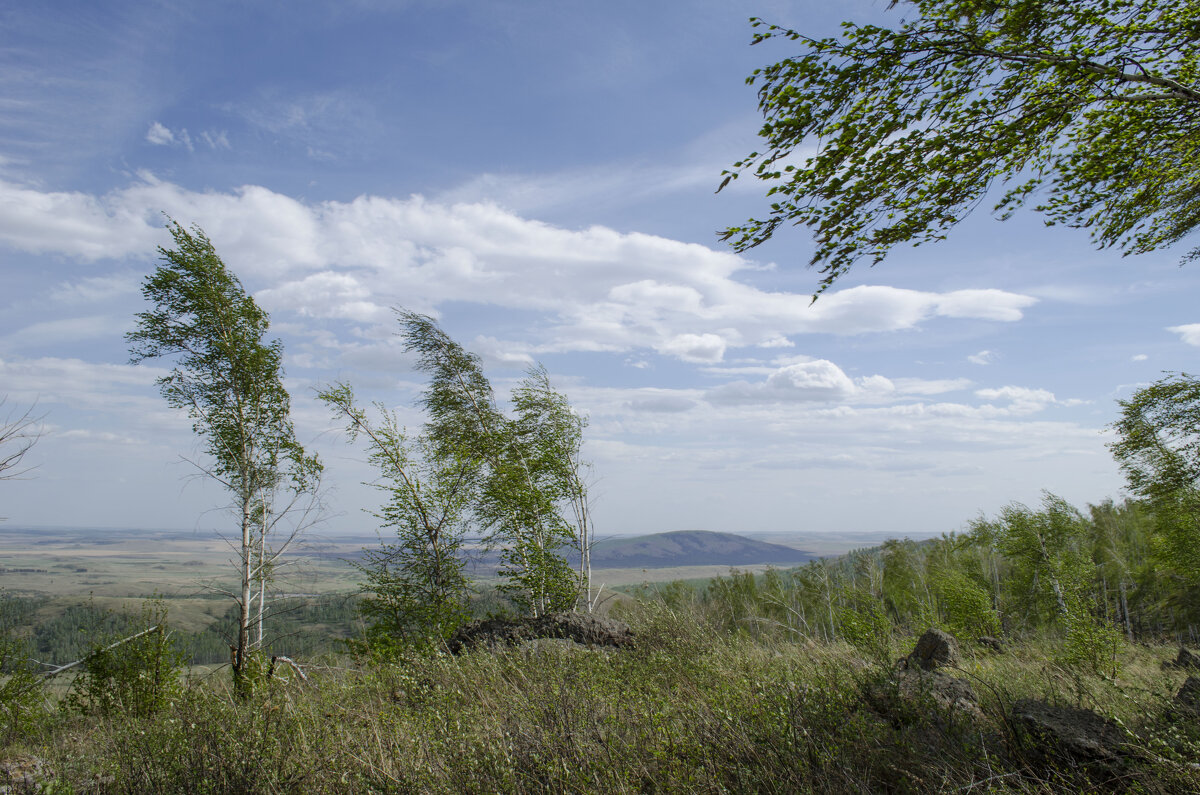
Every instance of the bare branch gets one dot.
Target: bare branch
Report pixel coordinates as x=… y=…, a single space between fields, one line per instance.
x=18 y=434
x=62 y=668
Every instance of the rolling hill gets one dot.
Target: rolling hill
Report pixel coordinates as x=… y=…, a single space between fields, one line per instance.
x=691 y=548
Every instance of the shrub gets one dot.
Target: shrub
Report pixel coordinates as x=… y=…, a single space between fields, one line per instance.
x=22 y=701
x=133 y=676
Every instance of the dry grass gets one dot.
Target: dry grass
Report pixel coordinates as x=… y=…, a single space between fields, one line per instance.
x=690 y=709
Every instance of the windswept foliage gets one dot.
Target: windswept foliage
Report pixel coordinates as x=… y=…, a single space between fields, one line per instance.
x=518 y=477
x=417 y=584
x=230 y=382
x=882 y=136
x=1158 y=448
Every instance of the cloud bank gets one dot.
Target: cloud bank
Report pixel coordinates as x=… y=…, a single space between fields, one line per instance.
x=598 y=288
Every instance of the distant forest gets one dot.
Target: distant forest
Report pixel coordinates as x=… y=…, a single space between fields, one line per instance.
x=302 y=628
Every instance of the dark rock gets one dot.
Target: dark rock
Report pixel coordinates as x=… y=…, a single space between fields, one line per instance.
x=1188 y=697
x=1185 y=659
x=934 y=649
x=1077 y=736
x=988 y=642
x=582 y=628
x=914 y=694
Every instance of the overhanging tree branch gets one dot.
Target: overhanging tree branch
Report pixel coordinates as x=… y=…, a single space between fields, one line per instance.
x=914 y=125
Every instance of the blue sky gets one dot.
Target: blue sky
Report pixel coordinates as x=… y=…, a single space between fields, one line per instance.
x=540 y=176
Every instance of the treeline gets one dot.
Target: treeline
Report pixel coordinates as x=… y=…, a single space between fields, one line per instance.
x=299 y=627
x=1091 y=578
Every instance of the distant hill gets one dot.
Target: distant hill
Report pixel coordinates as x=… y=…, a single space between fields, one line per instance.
x=691 y=548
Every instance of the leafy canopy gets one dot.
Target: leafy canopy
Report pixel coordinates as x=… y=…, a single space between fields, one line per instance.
x=1158 y=448
x=230 y=382
x=515 y=477
x=882 y=136
x=530 y=461
x=418 y=584
x=225 y=376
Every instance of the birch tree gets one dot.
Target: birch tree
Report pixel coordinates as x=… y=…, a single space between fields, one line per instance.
x=229 y=381
x=418 y=589
x=532 y=476
x=882 y=136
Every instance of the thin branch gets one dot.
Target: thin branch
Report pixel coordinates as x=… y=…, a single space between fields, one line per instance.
x=22 y=433
x=60 y=669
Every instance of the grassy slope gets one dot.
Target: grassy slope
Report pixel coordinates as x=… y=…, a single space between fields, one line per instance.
x=690 y=709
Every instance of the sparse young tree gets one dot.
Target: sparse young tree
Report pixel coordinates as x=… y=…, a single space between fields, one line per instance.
x=229 y=380
x=1158 y=448
x=882 y=136
x=531 y=463
x=418 y=587
x=1052 y=560
x=550 y=435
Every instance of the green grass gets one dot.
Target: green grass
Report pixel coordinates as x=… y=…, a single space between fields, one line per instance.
x=689 y=709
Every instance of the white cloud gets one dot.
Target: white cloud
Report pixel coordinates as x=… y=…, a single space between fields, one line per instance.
x=93 y=289
x=983 y=304
x=983 y=357
x=698 y=348
x=918 y=386
x=68 y=330
x=1138 y=357
x=1021 y=400
x=87 y=385
x=161 y=135
x=662 y=403
x=216 y=139
x=818 y=380
x=602 y=290
x=327 y=295
x=1189 y=333
x=871 y=308
x=821 y=379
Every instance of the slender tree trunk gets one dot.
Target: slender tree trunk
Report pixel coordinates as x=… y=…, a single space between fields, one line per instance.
x=585 y=563
x=583 y=522
x=243 y=640
x=1125 y=612
x=262 y=582
x=1055 y=586
x=829 y=604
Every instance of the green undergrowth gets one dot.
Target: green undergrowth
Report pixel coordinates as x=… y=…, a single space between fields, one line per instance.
x=689 y=709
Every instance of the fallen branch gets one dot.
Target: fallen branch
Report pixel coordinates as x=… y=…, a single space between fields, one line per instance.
x=289 y=662
x=60 y=669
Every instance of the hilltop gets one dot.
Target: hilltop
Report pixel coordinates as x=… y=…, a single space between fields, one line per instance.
x=691 y=548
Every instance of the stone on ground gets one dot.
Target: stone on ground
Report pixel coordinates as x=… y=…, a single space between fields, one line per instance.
x=934 y=649
x=590 y=631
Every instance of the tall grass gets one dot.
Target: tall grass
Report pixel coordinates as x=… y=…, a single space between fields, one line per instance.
x=692 y=708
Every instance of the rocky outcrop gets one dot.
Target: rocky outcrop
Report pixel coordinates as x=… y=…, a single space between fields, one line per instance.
x=993 y=644
x=1186 y=659
x=24 y=774
x=584 y=629
x=1187 y=700
x=1078 y=737
x=917 y=691
x=913 y=694
x=934 y=649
